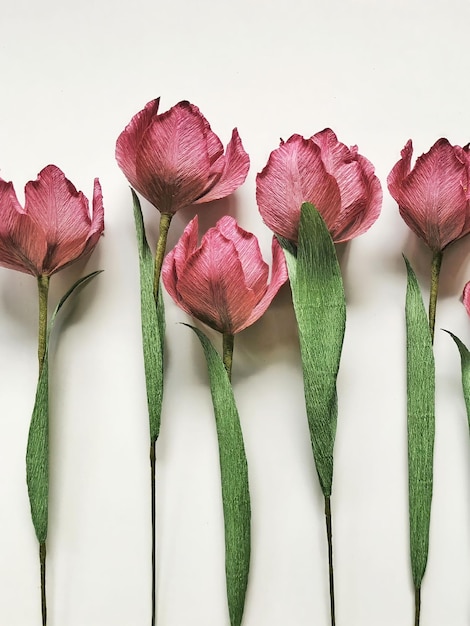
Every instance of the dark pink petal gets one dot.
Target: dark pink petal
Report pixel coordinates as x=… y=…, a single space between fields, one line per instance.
x=215 y=148
x=400 y=171
x=466 y=297
x=295 y=174
x=213 y=285
x=255 y=270
x=97 y=223
x=62 y=212
x=228 y=172
x=278 y=278
x=23 y=245
x=432 y=199
x=129 y=140
x=173 y=164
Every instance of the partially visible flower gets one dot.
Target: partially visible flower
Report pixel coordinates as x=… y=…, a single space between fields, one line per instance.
x=53 y=229
x=174 y=159
x=433 y=197
x=466 y=297
x=224 y=281
x=337 y=180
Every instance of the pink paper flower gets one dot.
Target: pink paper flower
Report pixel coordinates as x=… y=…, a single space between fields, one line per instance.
x=433 y=197
x=224 y=281
x=53 y=229
x=466 y=297
x=174 y=159
x=337 y=180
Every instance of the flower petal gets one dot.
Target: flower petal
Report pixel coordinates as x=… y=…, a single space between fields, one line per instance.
x=213 y=285
x=400 y=171
x=229 y=172
x=466 y=297
x=295 y=174
x=432 y=198
x=23 y=245
x=129 y=140
x=62 y=212
x=173 y=164
x=256 y=271
x=278 y=278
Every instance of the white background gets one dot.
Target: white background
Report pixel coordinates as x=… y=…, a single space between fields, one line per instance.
x=378 y=73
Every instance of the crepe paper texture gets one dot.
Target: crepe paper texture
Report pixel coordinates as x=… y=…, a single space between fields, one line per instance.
x=153 y=326
x=174 y=159
x=234 y=479
x=224 y=281
x=321 y=170
x=320 y=310
x=37 y=455
x=465 y=365
x=421 y=425
x=434 y=196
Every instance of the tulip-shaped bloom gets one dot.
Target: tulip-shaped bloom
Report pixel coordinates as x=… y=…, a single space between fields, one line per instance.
x=434 y=196
x=337 y=180
x=53 y=229
x=224 y=281
x=174 y=159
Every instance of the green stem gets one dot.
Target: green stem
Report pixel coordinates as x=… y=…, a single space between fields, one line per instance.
x=43 y=293
x=417 y=605
x=435 y=271
x=42 y=561
x=165 y=222
x=329 y=534
x=154 y=539
x=227 y=353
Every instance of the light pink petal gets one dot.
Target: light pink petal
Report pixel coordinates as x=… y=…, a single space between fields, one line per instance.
x=466 y=297
x=23 y=245
x=400 y=171
x=278 y=278
x=62 y=212
x=213 y=285
x=215 y=148
x=173 y=164
x=255 y=270
x=175 y=261
x=228 y=172
x=432 y=199
x=129 y=140
x=295 y=174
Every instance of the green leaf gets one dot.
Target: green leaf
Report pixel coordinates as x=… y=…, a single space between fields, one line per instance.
x=153 y=325
x=234 y=477
x=465 y=364
x=37 y=451
x=320 y=309
x=421 y=423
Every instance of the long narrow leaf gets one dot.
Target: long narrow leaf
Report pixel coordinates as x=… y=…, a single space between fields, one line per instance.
x=37 y=451
x=320 y=309
x=153 y=326
x=465 y=364
x=234 y=476
x=421 y=424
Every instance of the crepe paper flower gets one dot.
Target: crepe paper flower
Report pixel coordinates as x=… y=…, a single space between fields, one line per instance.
x=433 y=200
x=53 y=230
x=313 y=193
x=321 y=170
x=174 y=160
x=466 y=297
x=223 y=282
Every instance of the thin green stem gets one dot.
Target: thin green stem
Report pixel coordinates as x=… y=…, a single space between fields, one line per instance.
x=165 y=222
x=227 y=352
x=417 y=605
x=329 y=534
x=435 y=271
x=42 y=561
x=154 y=539
x=43 y=293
